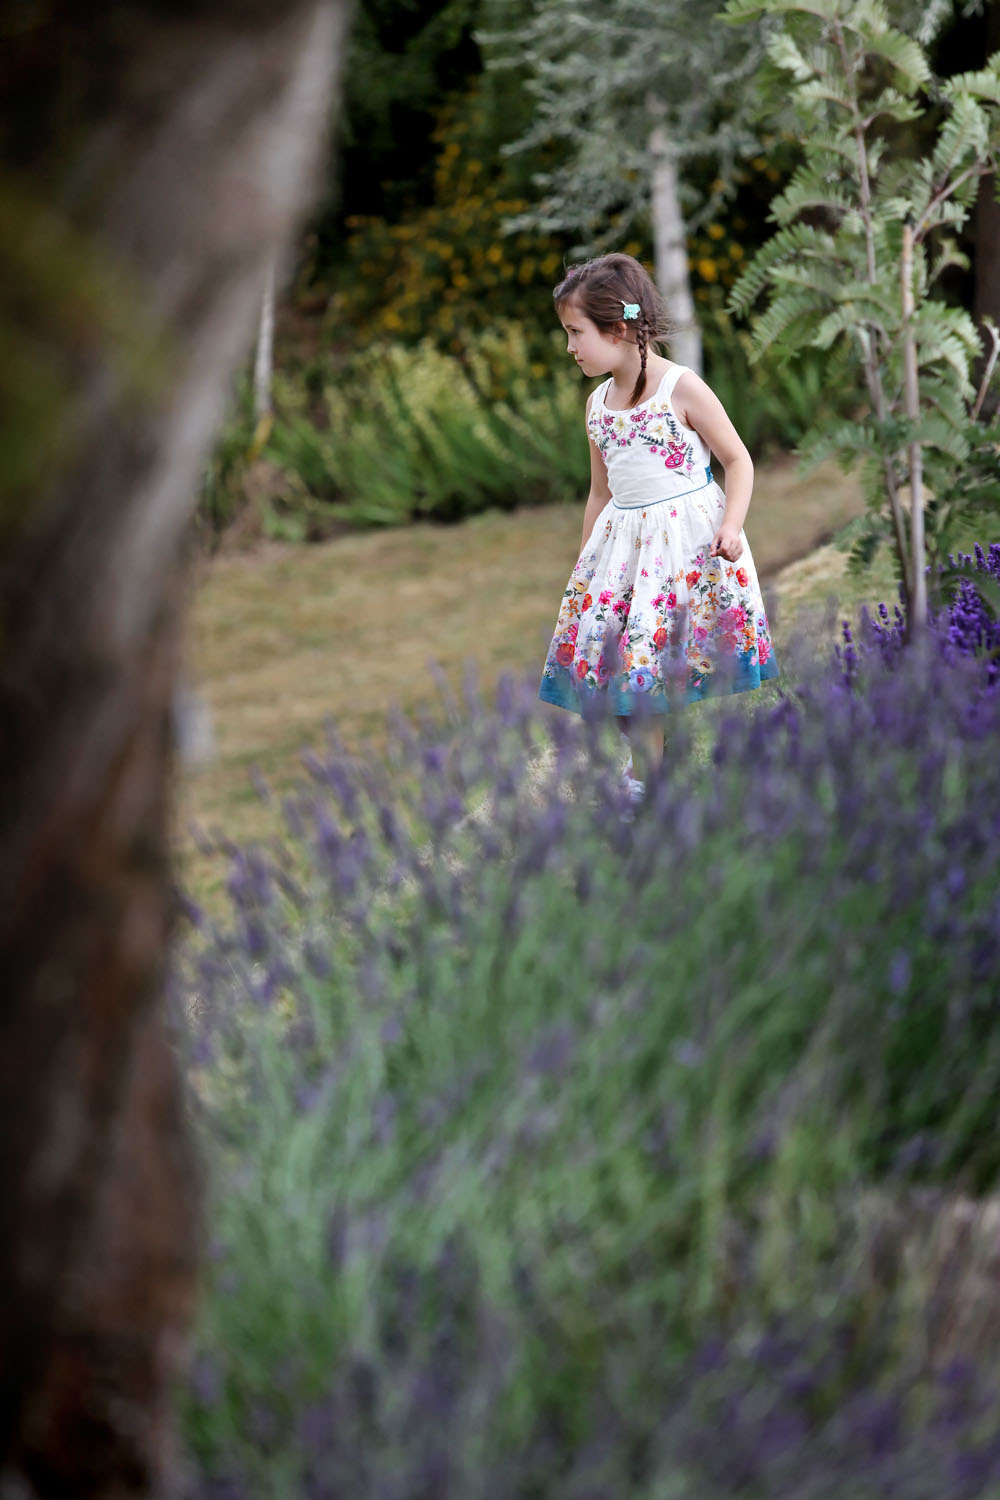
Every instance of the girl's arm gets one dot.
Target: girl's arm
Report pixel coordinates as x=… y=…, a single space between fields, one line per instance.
x=699 y=408
x=600 y=490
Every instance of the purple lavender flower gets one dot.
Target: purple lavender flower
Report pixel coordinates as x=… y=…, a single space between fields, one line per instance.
x=579 y=1137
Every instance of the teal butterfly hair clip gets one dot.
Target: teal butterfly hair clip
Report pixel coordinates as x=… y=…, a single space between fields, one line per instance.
x=630 y=310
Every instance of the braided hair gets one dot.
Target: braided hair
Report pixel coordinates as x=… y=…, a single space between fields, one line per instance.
x=601 y=287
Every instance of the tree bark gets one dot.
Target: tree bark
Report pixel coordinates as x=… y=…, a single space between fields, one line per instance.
x=156 y=161
x=670 y=249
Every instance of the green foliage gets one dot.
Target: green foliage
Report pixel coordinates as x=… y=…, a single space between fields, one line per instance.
x=413 y=433
x=404 y=433
x=448 y=270
x=774 y=400
x=718 y=246
x=963 y=493
x=404 y=58
x=471 y=237
x=831 y=273
x=602 y=78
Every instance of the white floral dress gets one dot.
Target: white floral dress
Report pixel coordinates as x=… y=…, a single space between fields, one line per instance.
x=648 y=615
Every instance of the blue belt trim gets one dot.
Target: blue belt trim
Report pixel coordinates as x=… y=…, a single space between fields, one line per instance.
x=647 y=504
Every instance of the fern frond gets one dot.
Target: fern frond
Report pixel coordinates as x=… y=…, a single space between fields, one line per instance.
x=858 y=304
x=883 y=297
x=843 y=441
x=871 y=13
x=904 y=190
x=950 y=213
x=789 y=242
x=785 y=54
x=842 y=320
x=746 y=10
x=839 y=153
x=953 y=353
x=814 y=95
x=902 y=53
x=738 y=11
x=930 y=315
x=896 y=105
x=983 y=83
x=813 y=186
x=930 y=431
x=946 y=335
x=964 y=134
x=902 y=177
x=865 y=549
x=787 y=309
x=945 y=397
x=824 y=281
x=899 y=208
x=937 y=432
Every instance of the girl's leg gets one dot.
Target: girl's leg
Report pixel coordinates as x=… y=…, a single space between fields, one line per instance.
x=645 y=737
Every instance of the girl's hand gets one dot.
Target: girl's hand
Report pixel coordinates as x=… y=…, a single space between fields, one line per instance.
x=727 y=543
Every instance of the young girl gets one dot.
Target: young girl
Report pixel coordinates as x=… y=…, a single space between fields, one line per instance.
x=663 y=607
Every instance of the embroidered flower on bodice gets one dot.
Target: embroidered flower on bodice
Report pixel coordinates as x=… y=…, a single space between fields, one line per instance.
x=653 y=426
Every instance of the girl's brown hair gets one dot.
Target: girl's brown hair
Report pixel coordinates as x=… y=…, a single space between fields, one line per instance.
x=600 y=287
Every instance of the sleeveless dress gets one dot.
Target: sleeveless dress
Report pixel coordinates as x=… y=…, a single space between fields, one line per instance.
x=649 y=620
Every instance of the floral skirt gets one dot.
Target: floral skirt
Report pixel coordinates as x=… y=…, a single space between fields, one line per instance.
x=650 y=621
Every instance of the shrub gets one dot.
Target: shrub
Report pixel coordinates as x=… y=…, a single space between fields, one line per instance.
x=449 y=271
x=865 y=229
x=398 y=434
x=510 y=1104
x=406 y=433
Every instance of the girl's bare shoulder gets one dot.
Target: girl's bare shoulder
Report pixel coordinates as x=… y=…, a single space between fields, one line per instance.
x=691 y=392
x=698 y=408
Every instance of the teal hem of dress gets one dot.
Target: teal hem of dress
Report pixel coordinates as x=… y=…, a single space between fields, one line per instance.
x=560 y=687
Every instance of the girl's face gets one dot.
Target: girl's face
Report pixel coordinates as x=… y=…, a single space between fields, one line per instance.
x=595 y=352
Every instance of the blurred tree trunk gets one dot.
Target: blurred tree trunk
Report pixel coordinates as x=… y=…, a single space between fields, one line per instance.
x=156 y=161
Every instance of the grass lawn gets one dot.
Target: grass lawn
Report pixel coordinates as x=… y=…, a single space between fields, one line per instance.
x=287 y=637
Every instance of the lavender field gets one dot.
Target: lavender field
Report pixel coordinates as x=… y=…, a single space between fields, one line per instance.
x=557 y=1153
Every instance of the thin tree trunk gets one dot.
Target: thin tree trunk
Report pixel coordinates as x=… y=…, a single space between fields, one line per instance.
x=156 y=160
x=670 y=242
x=872 y=354
x=263 y=369
x=911 y=391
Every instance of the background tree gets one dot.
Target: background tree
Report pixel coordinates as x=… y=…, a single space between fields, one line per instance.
x=866 y=231
x=414 y=245
x=635 y=95
x=155 y=164
x=446 y=269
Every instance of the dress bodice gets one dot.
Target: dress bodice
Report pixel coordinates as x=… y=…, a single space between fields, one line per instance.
x=649 y=455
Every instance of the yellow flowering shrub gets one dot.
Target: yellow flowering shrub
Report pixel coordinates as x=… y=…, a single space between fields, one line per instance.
x=447 y=272
x=717 y=250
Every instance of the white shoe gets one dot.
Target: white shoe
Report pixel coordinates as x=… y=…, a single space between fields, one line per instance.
x=635 y=790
